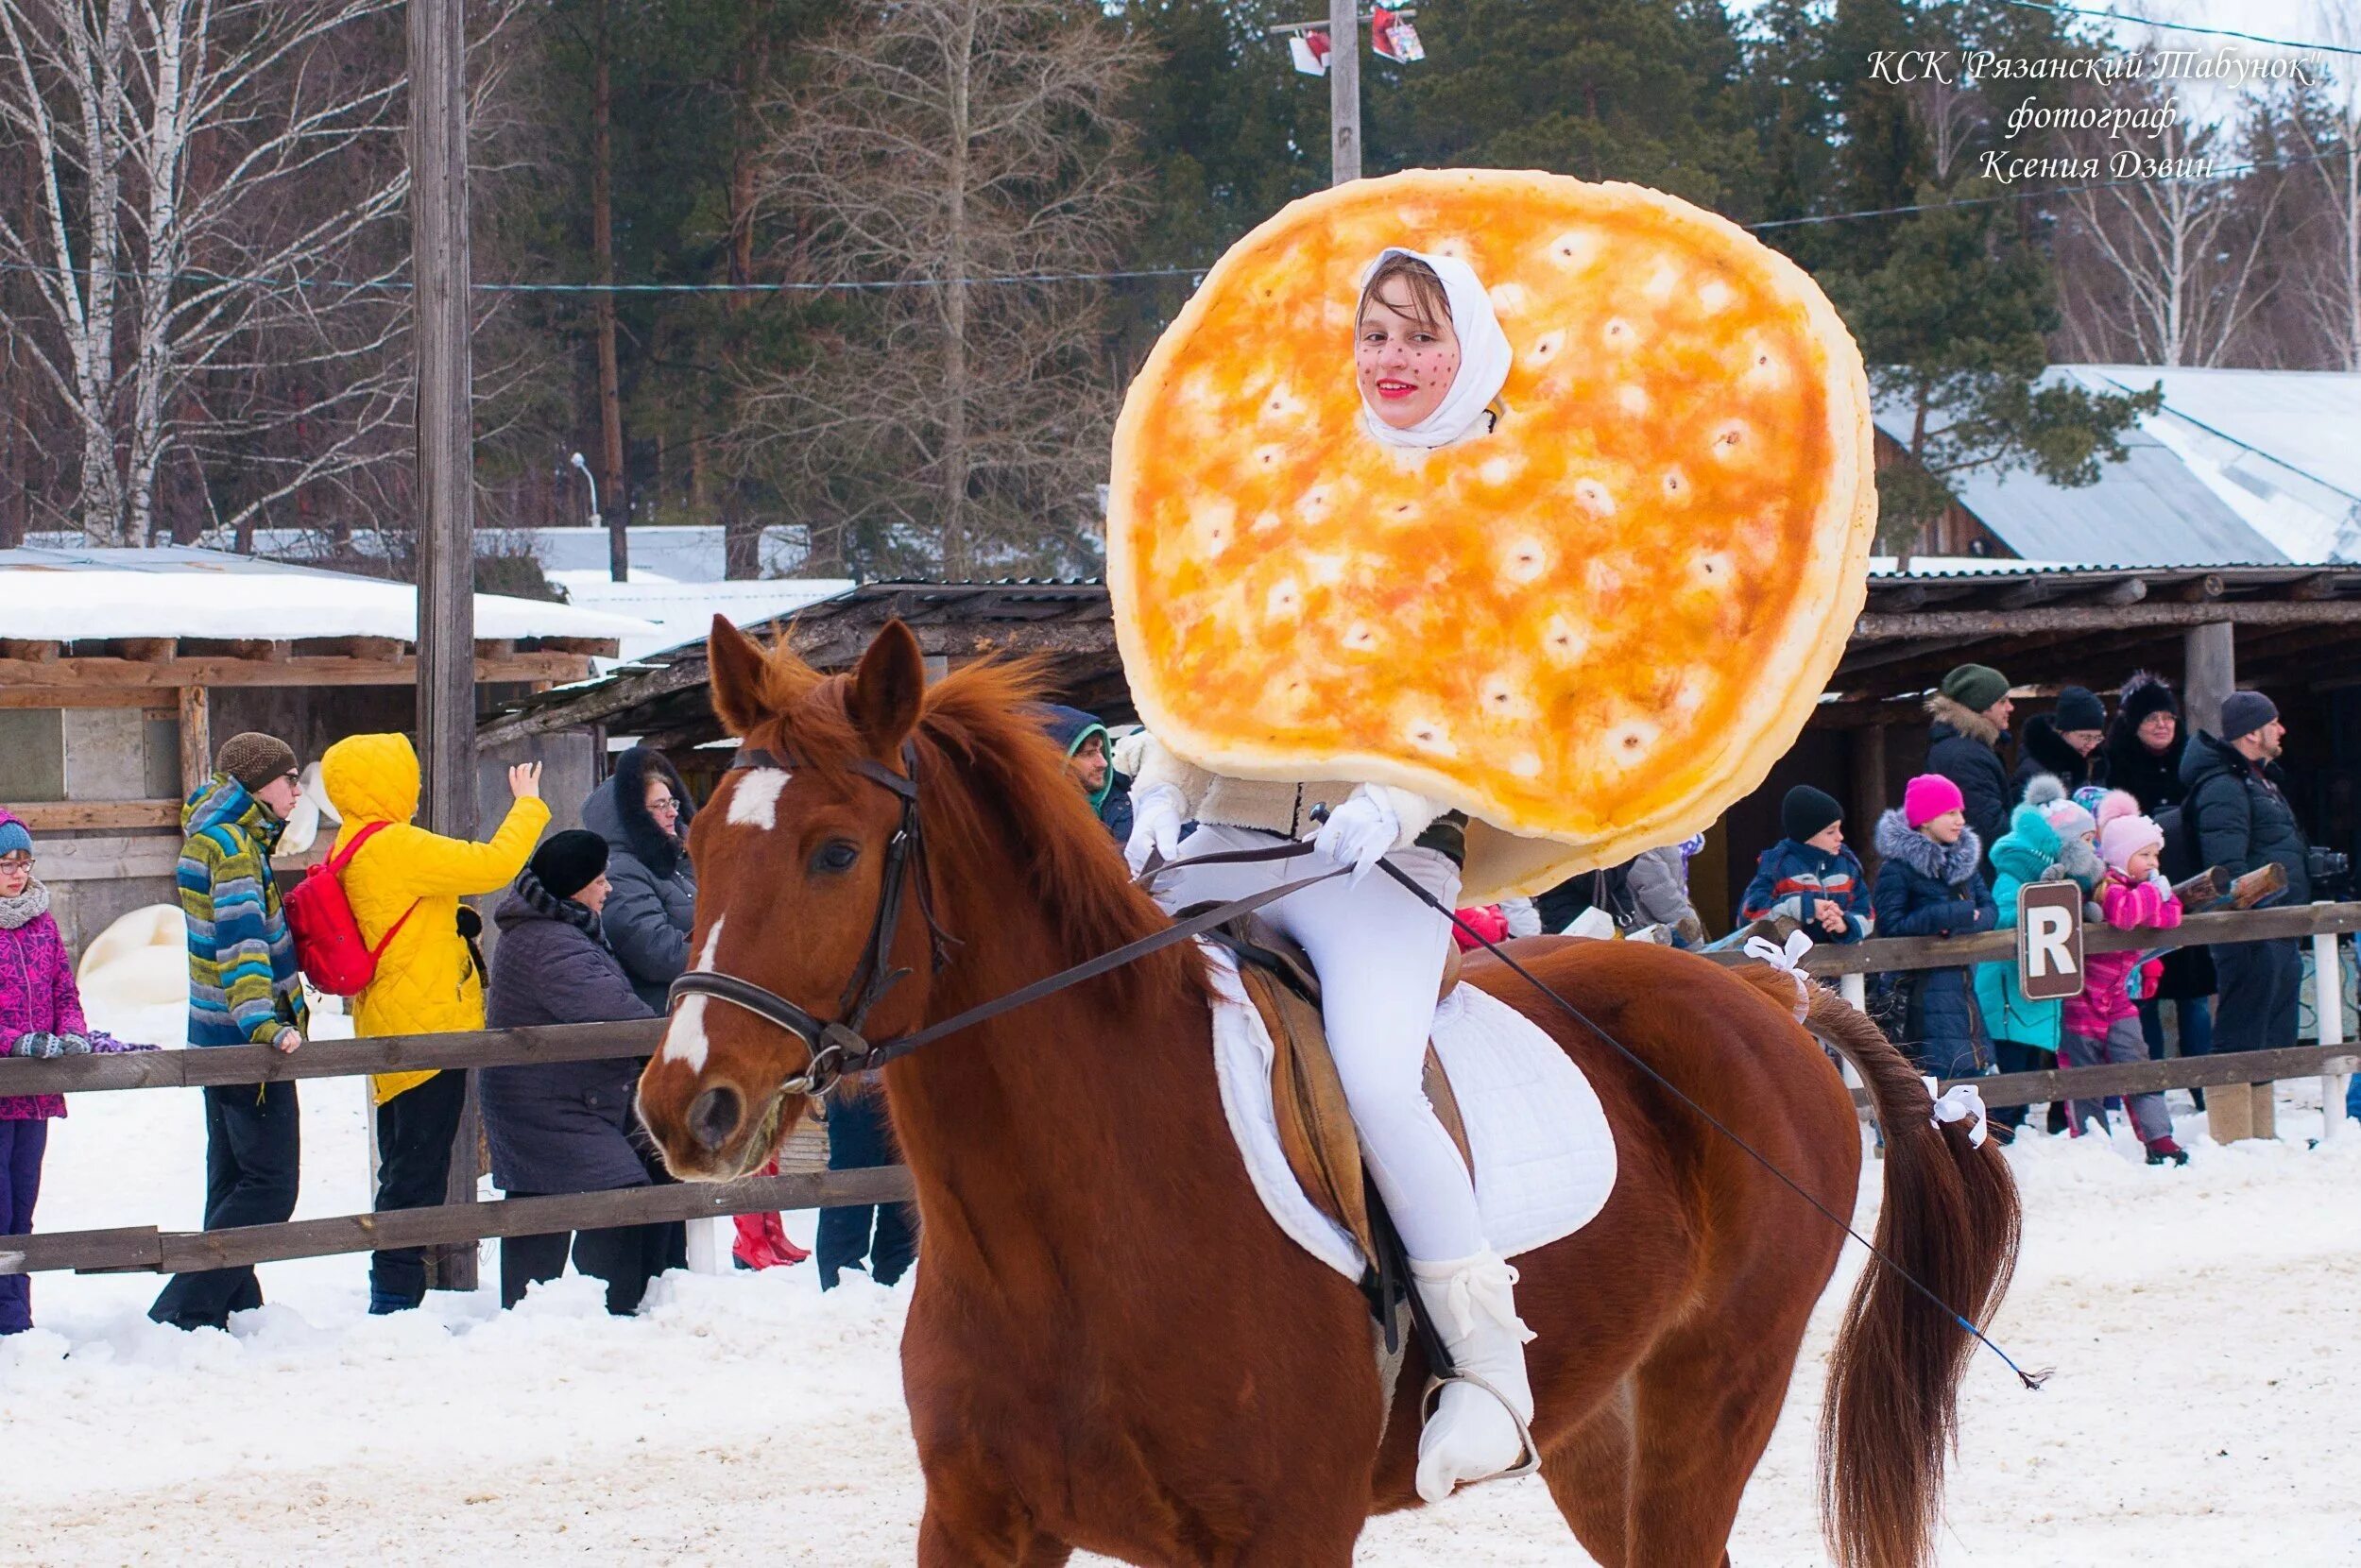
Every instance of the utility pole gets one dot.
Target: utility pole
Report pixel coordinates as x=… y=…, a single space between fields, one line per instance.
x=1343 y=91
x=446 y=479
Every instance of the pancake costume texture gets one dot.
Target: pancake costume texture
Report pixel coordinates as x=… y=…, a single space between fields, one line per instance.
x=1440 y=643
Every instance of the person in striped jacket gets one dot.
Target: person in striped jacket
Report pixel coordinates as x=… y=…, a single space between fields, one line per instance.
x=245 y=988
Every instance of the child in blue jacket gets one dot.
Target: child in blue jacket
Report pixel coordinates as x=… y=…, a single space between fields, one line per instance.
x=1809 y=876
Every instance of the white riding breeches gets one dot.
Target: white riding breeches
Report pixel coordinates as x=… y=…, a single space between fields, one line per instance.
x=1380 y=954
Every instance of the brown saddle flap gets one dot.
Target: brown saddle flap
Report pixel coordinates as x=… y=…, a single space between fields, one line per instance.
x=1315 y=1123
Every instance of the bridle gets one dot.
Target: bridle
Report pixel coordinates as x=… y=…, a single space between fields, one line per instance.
x=836 y=1045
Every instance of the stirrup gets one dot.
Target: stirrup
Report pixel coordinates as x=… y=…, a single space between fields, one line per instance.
x=1525 y=1466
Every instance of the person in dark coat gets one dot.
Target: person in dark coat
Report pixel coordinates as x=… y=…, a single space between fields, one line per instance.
x=566 y=1126
x=2238 y=804
x=1090 y=759
x=883 y=1239
x=1970 y=718
x=2059 y=743
x=2142 y=756
x=643 y=813
x=1929 y=884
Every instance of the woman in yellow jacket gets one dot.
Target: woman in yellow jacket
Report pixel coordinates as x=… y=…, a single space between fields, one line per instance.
x=426 y=980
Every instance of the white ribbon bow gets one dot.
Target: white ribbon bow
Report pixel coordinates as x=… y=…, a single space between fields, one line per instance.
x=1789 y=961
x=1961 y=1102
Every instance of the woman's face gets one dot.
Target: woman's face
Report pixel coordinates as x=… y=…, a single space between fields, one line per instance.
x=2157 y=730
x=663 y=805
x=1405 y=366
x=593 y=896
x=16 y=875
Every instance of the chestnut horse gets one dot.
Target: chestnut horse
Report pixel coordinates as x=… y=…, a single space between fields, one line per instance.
x=1110 y=1346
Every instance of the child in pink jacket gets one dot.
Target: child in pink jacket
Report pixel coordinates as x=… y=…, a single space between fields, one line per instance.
x=2102 y=1025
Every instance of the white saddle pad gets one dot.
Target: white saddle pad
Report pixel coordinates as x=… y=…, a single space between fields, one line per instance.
x=1544 y=1154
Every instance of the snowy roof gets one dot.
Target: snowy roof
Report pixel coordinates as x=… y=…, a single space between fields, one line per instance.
x=2148 y=510
x=683 y=612
x=175 y=591
x=2282 y=448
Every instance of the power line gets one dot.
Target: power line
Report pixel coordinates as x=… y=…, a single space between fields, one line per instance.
x=391 y=285
x=2187 y=27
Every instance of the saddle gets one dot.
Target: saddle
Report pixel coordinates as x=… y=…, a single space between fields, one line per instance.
x=1315 y=1123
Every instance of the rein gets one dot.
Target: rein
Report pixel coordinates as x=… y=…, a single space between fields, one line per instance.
x=837 y=1045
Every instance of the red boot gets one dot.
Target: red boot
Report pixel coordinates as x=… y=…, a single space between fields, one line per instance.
x=2163 y=1149
x=783 y=1252
x=762 y=1239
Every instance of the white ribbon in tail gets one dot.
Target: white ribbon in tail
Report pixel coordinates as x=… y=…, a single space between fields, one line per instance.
x=1789 y=961
x=1961 y=1102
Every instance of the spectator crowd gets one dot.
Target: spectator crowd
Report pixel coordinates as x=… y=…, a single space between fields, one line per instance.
x=592 y=925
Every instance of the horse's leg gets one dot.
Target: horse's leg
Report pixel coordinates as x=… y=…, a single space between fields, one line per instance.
x=1703 y=1408
x=1589 y=1473
x=972 y=1543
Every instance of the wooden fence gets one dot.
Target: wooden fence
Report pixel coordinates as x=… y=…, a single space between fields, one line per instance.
x=147 y=1249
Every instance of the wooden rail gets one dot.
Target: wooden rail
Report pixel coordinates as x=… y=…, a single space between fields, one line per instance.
x=1888 y=955
x=146 y=1249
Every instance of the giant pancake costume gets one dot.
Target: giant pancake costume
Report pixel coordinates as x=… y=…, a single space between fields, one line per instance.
x=1592 y=629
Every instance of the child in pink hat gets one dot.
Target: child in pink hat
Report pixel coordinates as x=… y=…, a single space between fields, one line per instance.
x=1930 y=883
x=2102 y=1025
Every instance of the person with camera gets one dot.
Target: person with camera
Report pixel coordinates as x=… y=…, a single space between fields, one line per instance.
x=2238 y=809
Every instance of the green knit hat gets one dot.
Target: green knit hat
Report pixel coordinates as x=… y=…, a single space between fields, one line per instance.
x=1975 y=687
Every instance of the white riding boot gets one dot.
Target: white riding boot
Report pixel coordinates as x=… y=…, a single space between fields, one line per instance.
x=1480 y=1425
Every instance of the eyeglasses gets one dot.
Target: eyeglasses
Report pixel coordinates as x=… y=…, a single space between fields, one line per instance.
x=14 y=862
x=666 y=807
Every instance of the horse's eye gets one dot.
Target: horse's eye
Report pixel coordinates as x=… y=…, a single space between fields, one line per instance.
x=835 y=855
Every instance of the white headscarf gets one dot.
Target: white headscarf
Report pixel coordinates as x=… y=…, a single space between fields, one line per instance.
x=1484 y=358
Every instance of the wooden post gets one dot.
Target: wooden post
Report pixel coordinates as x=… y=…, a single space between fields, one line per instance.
x=2328 y=1009
x=1867 y=745
x=446 y=480
x=2209 y=675
x=1343 y=91
x=197 y=739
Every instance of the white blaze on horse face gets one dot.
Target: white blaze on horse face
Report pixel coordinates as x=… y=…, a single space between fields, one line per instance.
x=684 y=1042
x=755 y=802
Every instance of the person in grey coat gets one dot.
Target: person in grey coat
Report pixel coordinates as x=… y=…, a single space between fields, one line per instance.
x=643 y=813
x=566 y=1126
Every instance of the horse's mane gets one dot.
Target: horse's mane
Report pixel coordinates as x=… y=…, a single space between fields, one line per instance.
x=995 y=797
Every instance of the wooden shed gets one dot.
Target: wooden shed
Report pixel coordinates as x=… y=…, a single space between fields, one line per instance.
x=120 y=670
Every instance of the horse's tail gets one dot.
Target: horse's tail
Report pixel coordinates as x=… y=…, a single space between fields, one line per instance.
x=1949 y=1222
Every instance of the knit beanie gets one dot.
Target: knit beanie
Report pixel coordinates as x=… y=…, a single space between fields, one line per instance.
x=2070 y=821
x=2244 y=712
x=1807 y=812
x=2079 y=707
x=1975 y=687
x=254 y=759
x=15 y=837
x=2126 y=837
x=569 y=861
x=2144 y=694
x=2115 y=806
x=1928 y=796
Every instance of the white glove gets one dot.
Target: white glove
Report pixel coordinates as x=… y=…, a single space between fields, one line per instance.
x=2160 y=882
x=1156 y=825
x=1358 y=833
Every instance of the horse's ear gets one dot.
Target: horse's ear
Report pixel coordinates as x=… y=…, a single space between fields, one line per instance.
x=887 y=689
x=736 y=662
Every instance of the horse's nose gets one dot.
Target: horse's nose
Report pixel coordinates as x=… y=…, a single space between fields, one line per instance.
x=713 y=1115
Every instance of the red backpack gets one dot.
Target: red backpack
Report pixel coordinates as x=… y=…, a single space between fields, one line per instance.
x=328 y=941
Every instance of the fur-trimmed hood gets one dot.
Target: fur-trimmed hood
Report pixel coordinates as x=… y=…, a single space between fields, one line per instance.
x=1953 y=863
x=2044 y=748
x=617 y=811
x=1966 y=720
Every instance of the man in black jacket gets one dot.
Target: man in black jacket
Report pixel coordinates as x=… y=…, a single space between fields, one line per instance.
x=2238 y=806
x=1971 y=720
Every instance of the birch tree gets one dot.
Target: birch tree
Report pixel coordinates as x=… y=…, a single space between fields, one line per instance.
x=2168 y=264
x=216 y=232
x=2320 y=133
x=959 y=160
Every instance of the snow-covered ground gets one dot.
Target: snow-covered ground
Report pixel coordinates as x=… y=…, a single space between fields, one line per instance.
x=2205 y=1325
